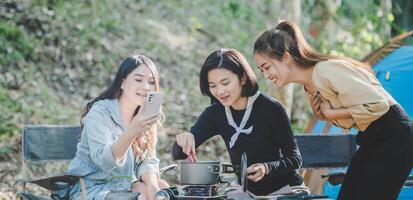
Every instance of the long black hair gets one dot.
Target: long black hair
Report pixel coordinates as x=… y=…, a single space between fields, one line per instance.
x=115 y=91
x=286 y=36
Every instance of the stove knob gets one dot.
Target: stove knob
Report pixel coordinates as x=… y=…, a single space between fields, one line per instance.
x=162 y=195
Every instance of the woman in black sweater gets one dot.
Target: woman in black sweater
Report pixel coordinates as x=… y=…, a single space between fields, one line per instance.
x=247 y=121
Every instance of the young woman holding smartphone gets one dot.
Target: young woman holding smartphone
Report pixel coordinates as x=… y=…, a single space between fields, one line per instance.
x=117 y=146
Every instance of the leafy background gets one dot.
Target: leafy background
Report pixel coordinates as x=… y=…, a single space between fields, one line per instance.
x=56 y=55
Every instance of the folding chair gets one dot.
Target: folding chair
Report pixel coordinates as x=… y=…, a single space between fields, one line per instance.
x=47 y=143
x=322 y=152
x=327 y=151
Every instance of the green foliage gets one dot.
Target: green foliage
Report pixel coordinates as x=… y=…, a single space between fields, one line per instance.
x=9 y=108
x=57 y=55
x=15 y=44
x=359 y=27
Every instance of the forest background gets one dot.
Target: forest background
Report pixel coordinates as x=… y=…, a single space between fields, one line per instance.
x=56 y=55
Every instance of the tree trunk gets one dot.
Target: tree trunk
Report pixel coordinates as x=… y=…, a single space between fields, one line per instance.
x=403 y=18
x=322 y=14
x=386 y=6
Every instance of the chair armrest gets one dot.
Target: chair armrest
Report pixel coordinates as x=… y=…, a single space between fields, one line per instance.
x=47 y=183
x=338 y=178
x=335 y=178
x=29 y=196
x=167 y=168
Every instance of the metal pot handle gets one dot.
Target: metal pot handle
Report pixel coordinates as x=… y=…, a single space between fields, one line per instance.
x=243 y=176
x=214 y=169
x=227 y=168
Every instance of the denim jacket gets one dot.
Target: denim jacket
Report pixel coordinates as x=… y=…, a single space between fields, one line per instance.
x=94 y=160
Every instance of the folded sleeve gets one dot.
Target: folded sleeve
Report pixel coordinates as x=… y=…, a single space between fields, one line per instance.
x=100 y=138
x=356 y=89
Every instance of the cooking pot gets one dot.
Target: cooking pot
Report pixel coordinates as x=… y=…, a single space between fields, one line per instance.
x=203 y=172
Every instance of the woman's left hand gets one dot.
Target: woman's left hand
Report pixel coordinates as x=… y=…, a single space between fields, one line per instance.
x=256 y=172
x=152 y=189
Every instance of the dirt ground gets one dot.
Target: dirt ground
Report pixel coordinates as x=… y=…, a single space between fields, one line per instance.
x=9 y=167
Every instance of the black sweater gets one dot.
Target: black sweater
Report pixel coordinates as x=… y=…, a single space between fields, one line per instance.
x=271 y=141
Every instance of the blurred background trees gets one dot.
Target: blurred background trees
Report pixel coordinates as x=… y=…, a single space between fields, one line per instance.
x=56 y=55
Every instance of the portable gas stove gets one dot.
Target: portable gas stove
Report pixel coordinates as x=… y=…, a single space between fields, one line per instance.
x=209 y=188
x=196 y=192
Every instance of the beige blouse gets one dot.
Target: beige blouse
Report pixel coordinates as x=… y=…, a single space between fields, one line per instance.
x=347 y=86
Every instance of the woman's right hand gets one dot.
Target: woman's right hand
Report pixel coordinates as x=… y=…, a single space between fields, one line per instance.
x=315 y=102
x=187 y=142
x=141 y=123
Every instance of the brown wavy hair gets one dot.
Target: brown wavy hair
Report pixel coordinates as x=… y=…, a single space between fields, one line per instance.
x=114 y=91
x=286 y=36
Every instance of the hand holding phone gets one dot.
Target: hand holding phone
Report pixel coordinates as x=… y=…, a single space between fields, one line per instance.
x=152 y=103
x=147 y=115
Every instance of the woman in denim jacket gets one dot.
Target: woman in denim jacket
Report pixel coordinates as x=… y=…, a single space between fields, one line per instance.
x=117 y=145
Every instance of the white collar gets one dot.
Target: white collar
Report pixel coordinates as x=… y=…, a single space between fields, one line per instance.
x=240 y=129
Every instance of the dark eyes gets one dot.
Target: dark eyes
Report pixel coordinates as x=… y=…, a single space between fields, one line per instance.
x=264 y=68
x=140 y=80
x=224 y=84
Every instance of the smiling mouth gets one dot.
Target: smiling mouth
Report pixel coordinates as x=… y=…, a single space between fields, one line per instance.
x=224 y=98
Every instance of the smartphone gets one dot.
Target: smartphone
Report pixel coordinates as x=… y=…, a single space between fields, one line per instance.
x=153 y=103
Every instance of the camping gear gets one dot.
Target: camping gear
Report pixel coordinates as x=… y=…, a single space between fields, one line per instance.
x=202 y=172
x=48 y=143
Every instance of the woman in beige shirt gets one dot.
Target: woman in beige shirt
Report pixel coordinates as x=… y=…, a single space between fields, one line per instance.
x=341 y=90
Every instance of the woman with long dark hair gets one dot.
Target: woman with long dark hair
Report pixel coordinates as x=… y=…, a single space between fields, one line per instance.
x=117 y=146
x=341 y=90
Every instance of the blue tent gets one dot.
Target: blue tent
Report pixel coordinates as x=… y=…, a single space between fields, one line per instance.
x=395 y=73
